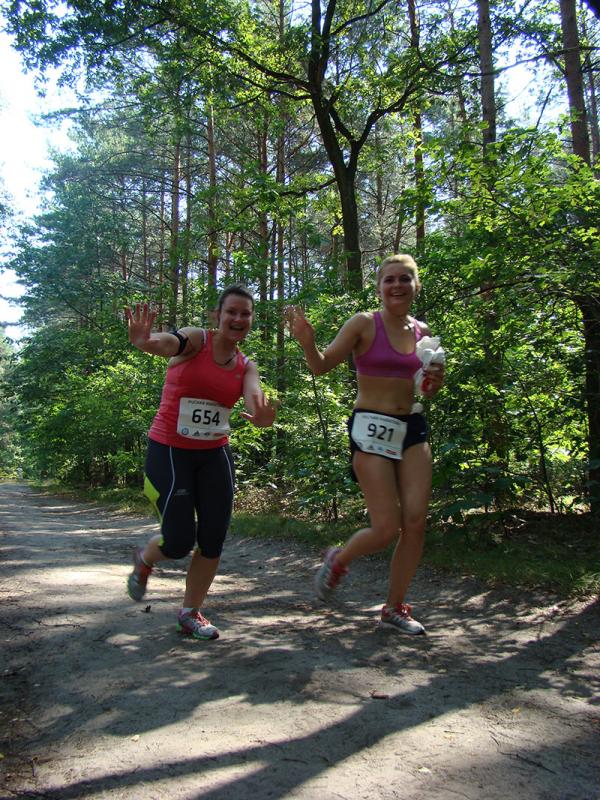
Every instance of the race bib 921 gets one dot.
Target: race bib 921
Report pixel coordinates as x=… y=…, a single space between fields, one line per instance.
x=379 y=434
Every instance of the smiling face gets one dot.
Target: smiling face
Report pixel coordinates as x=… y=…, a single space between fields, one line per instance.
x=397 y=285
x=235 y=317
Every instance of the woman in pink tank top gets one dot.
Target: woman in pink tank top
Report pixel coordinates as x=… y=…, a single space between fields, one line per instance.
x=391 y=457
x=189 y=470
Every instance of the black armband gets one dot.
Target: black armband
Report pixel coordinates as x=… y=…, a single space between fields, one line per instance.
x=183 y=340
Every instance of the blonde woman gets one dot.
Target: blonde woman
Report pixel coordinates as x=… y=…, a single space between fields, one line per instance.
x=391 y=457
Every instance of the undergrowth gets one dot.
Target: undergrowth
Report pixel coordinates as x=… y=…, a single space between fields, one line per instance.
x=519 y=548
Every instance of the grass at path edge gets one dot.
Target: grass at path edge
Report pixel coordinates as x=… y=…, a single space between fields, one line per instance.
x=559 y=553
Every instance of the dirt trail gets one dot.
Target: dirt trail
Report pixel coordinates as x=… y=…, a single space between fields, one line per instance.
x=101 y=698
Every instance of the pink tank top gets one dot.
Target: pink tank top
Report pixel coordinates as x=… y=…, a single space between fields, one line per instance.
x=201 y=378
x=382 y=361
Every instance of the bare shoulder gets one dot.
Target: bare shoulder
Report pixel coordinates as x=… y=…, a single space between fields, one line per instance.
x=357 y=327
x=361 y=329
x=422 y=326
x=196 y=337
x=361 y=321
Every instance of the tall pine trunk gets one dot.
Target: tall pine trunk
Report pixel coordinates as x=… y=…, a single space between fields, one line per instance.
x=574 y=79
x=589 y=306
x=495 y=427
x=174 y=262
x=418 y=148
x=213 y=243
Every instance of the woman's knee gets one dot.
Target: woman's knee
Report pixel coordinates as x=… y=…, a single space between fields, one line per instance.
x=211 y=550
x=177 y=547
x=413 y=527
x=385 y=534
x=210 y=543
x=175 y=552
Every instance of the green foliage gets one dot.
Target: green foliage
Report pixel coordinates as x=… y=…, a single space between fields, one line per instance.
x=138 y=210
x=519 y=384
x=533 y=550
x=11 y=462
x=84 y=410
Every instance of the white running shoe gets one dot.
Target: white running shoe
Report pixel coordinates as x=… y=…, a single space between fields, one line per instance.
x=194 y=624
x=399 y=617
x=329 y=575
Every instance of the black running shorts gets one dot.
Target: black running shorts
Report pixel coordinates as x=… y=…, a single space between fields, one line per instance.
x=192 y=493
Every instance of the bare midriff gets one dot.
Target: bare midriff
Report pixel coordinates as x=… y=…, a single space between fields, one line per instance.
x=385 y=395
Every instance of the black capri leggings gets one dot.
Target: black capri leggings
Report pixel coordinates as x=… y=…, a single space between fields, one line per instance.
x=192 y=494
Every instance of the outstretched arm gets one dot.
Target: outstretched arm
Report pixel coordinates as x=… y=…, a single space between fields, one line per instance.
x=140 y=320
x=341 y=347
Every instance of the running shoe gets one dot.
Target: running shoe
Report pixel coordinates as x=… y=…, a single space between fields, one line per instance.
x=193 y=623
x=136 y=582
x=329 y=575
x=399 y=617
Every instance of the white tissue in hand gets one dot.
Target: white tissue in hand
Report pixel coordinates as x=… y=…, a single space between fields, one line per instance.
x=430 y=352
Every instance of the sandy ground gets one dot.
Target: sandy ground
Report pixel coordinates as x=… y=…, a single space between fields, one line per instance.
x=102 y=698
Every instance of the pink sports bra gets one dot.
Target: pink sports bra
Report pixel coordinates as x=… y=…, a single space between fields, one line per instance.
x=382 y=361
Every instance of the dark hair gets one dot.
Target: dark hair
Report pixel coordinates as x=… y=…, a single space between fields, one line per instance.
x=237 y=289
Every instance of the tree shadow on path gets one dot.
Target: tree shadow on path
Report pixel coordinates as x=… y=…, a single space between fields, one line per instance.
x=361 y=685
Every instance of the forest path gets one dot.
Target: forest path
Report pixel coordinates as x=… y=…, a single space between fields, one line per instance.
x=101 y=698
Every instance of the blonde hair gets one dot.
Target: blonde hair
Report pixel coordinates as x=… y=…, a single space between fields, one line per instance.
x=404 y=260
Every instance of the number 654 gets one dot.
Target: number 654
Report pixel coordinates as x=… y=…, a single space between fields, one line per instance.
x=205 y=417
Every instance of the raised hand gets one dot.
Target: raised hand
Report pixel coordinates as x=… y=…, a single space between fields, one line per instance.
x=139 y=324
x=264 y=412
x=300 y=327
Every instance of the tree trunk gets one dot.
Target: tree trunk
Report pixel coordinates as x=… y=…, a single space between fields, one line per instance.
x=213 y=248
x=162 y=246
x=574 y=79
x=590 y=311
x=496 y=432
x=589 y=306
x=145 y=266
x=280 y=250
x=187 y=231
x=263 y=230
x=345 y=174
x=418 y=149
x=486 y=60
x=174 y=240
x=592 y=107
x=350 y=224
x=593 y=117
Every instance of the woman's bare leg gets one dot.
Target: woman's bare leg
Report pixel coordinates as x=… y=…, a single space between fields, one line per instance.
x=199 y=578
x=152 y=552
x=414 y=488
x=378 y=482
